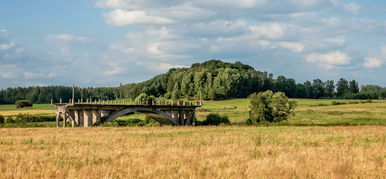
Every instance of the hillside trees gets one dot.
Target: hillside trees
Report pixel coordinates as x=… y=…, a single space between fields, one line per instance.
x=209 y=80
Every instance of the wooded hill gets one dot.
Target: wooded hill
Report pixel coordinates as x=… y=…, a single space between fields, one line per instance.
x=212 y=79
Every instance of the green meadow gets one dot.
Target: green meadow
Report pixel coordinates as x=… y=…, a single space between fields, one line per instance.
x=309 y=112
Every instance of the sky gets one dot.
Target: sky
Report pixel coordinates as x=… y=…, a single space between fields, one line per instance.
x=112 y=42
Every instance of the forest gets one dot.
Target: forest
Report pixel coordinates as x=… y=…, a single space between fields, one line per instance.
x=210 y=80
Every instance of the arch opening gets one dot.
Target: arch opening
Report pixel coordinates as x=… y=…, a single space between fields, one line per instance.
x=159 y=116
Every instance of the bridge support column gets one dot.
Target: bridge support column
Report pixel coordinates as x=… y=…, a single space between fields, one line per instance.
x=71 y=116
x=57 y=120
x=96 y=117
x=76 y=117
x=64 y=119
x=87 y=118
x=181 y=119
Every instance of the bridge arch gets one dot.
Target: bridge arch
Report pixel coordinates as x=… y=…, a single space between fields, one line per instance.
x=158 y=115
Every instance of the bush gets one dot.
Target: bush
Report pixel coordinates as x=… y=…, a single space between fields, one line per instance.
x=270 y=107
x=128 y=122
x=2 y=119
x=215 y=120
x=150 y=121
x=337 y=103
x=24 y=118
x=9 y=120
x=23 y=104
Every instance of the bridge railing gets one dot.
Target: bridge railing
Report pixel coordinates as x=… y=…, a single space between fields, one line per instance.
x=129 y=102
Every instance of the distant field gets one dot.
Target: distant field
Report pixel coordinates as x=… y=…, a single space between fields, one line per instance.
x=309 y=112
x=194 y=152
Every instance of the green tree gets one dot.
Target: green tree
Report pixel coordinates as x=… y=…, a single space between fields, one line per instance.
x=269 y=106
x=143 y=98
x=330 y=88
x=353 y=87
x=318 y=89
x=342 y=87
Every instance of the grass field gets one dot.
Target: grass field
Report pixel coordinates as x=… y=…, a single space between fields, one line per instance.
x=315 y=143
x=310 y=112
x=194 y=152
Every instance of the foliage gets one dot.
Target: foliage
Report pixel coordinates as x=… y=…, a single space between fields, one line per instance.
x=9 y=120
x=133 y=122
x=23 y=104
x=270 y=107
x=215 y=120
x=210 y=80
x=24 y=118
x=143 y=98
x=128 y=122
x=2 y=120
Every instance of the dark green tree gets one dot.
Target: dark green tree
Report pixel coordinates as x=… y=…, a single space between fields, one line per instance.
x=342 y=87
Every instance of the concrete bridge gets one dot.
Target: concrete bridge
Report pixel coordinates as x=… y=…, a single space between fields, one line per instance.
x=86 y=115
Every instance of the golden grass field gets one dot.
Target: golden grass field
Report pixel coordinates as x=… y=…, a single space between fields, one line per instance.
x=279 y=151
x=194 y=152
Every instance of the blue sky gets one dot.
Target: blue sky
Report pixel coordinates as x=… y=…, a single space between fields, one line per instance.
x=108 y=42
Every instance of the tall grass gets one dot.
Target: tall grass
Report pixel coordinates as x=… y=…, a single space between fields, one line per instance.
x=194 y=152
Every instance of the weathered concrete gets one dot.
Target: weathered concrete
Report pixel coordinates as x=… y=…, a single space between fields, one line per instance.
x=87 y=115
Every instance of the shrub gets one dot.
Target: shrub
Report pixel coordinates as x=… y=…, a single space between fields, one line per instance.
x=337 y=103
x=215 y=120
x=9 y=120
x=24 y=118
x=150 y=121
x=23 y=103
x=1 y=119
x=270 y=107
x=128 y=122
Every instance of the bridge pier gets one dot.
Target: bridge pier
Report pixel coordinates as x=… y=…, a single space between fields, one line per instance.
x=87 y=118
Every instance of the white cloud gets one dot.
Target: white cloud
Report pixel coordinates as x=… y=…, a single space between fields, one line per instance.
x=38 y=75
x=159 y=67
x=8 y=71
x=186 y=12
x=383 y=51
x=122 y=17
x=294 y=46
x=329 y=60
x=65 y=42
x=112 y=3
x=232 y=3
x=7 y=75
x=270 y=31
x=65 y=37
x=7 y=46
x=153 y=48
x=372 y=63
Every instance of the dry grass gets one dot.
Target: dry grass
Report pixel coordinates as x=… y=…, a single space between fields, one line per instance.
x=194 y=152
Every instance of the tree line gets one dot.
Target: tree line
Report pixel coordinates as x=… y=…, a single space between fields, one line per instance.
x=37 y=94
x=210 y=80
